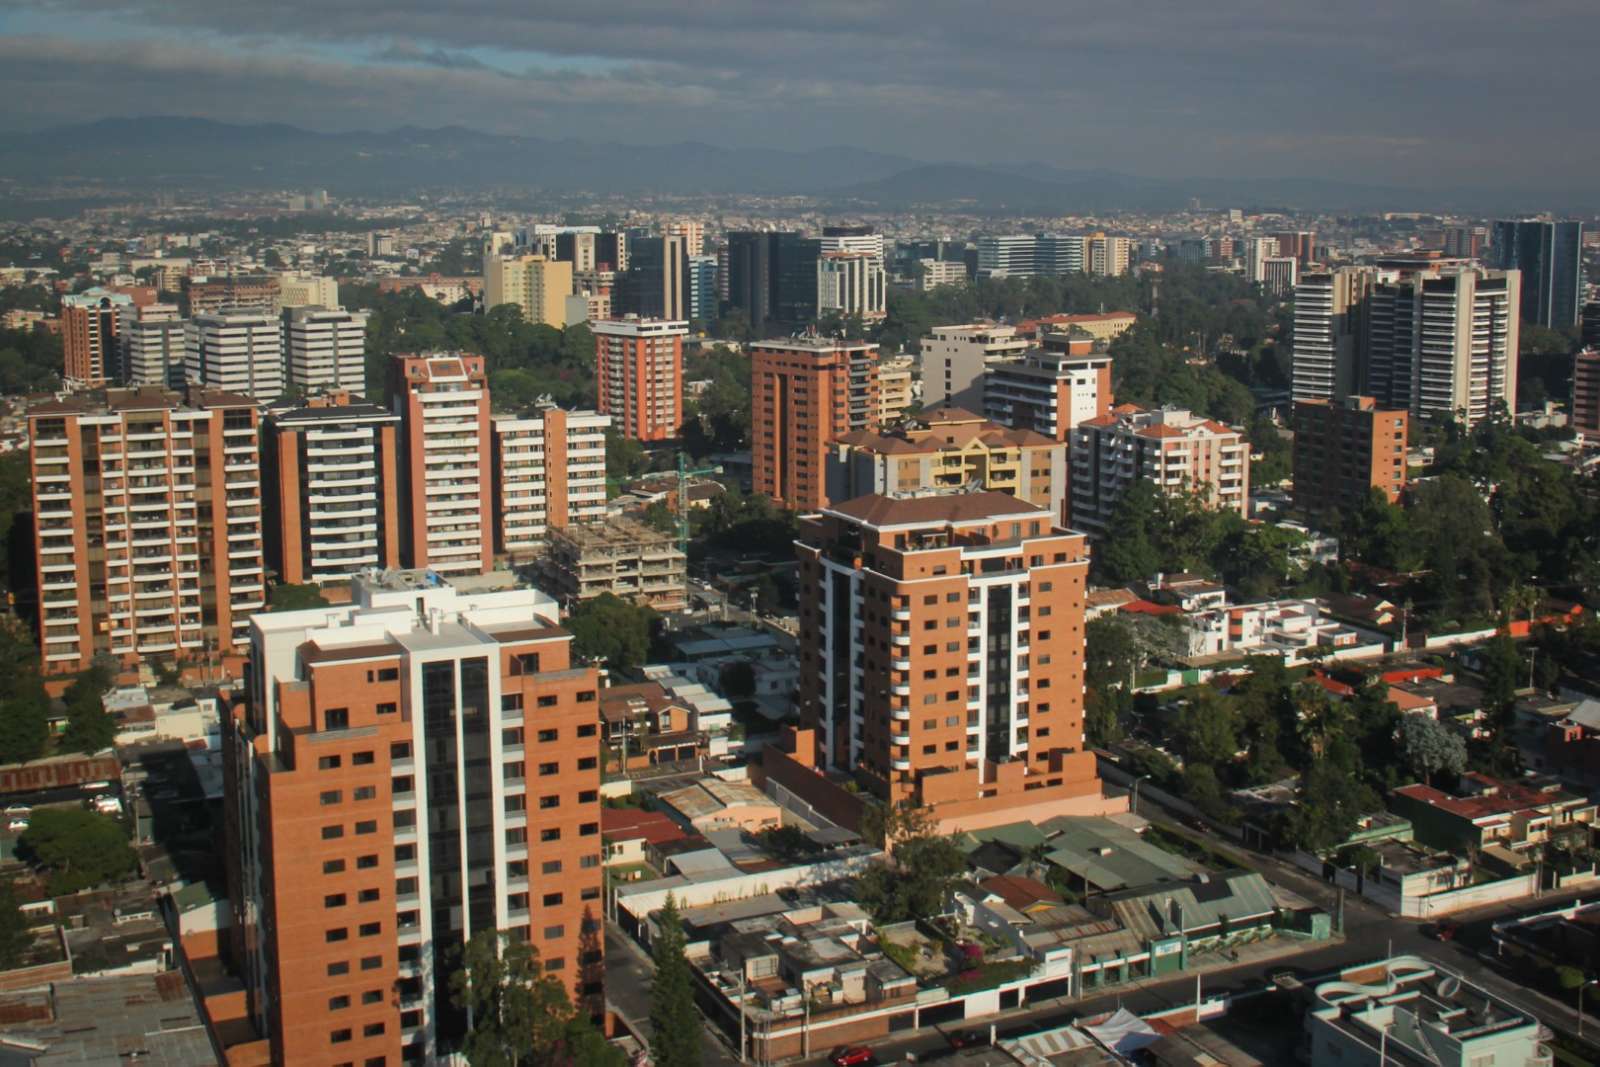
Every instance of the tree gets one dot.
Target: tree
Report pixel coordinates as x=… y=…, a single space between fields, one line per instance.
x=80 y=849
x=660 y=517
x=675 y=1025
x=737 y=680
x=921 y=865
x=625 y=457
x=518 y=1014
x=1207 y=729
x=15 y=929
x=90 y=728
x=1431 y=746
x=24 y=708
x=609 y=628
x=287 y=596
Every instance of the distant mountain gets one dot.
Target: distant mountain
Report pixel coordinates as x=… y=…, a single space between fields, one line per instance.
x=166 y=152
x=148 y=151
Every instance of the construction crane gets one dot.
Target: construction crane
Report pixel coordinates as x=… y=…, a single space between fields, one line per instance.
x=684 y=474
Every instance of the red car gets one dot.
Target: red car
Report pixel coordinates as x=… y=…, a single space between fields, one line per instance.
x=852 y=1056
x=1446 y=929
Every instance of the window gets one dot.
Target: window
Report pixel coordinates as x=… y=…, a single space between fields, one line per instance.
x=333 y=936
x=371 y=963
x=330 y=796
x=589 y=862
x=365 y=792
x=586 y=730
x=388 y=674
x=333 y=900
x=367 y=896
x=372 y=1029
x=361 y=759
x=366 y=863
x=338 y=1003
x=336 y=719
x=554 y=933
x=548 y=700
x=511 y=702
x=328 y=763
x=371 y=929
x=336 y=969
x=550 y=867
x=586 y=696
x=524 y=663
x=587 y=763
x=552 y=833
x=555 y=964
x=330 y=833
x=400 y=750
x=332 y=866
x=592 y=892
x=511 y=737
x=546 y=803
x=588 y=796
x=547 y=769
x=367 y=826
x=388 y=707
x=588 y=829
x=372 y=996
x=339 y=1037
x=547 y=736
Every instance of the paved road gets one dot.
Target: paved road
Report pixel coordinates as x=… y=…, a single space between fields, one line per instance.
x=628 y=976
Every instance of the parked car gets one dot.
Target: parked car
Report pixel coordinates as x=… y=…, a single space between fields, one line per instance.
x=1446 y=929
x=967 y=1038
x=17 y=824
x=852 y=1056
x=19 y=809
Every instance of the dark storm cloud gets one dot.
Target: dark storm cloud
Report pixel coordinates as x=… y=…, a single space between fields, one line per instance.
x=1479 y=91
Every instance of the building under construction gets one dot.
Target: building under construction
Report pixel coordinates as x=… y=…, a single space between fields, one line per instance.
x=620 y=556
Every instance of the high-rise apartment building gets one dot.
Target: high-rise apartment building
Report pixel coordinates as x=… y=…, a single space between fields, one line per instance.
x=91 y=324
x=1443 y=344
x=413 y=769
x=656 y=285
x=446 y=478
x=1590 y=331
x=1176 y=450
x=236 y=352
x=1465 y=242
x=1299 y=245
x=326 y=347
x=861 y=239
x=210 y=294
x=851 y=284
x=333 y=496
x=805 y=393
x=550 y=471
x=1009 y=256
x=1050 y=390
x=954 y=359
x=896 y=389
x=772 y=278
x=307 y=290
x=941 y=655
x=147 y=519
x=949 y=450
x=692 y=232
x=1106 y=256
x=577 y=248
x=154 y=346
x=1550 y=257
x=1345 y=448
x=1586 y=393
x=1329 y=331
x=537 y=285
x=1279 y=274
x=639 y=375
x=704 y=303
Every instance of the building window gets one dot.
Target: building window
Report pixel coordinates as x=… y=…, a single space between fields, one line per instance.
x=547 y=736
x=552 y=833
x=328 y=763
x=372 y=1029
x=338 y=1003
x=361 y=759
x=586 y=730
x=336 y=969
x=330 y=796
x=400 y=750
x=333 y=936
x=365 y=792
x=339 y=1037
x=366 y=863
x=367 y=896
x=554 y=933
x=330 y=833
x=548 y=769
x=548 y=700
x=588 y=829
x=371 y=929
x=367 y=826
x=388 y=708
x=333 y=900
x=388 y=674
x=372 y=963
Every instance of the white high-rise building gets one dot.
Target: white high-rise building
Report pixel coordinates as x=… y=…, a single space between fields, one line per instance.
x=153 y=346
x=1108 y=257
x=299 y=290
x=851 y=284
x=1329 y=325
x=1008 y=256
x=327 y=348
x=1061 y=253
x=865 y=239
x=1279 y=274
x=1178 y=451
x=550 y=471
x=954 y=359
x=237 y=352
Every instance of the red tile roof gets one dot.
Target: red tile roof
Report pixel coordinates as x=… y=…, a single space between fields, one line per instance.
x=631 y=824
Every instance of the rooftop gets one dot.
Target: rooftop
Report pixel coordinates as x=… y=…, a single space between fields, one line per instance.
x=877 y=510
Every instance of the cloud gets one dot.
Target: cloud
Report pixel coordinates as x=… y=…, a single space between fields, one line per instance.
x=1366 y=90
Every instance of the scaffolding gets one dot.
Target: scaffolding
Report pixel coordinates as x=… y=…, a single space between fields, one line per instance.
x=624 y=557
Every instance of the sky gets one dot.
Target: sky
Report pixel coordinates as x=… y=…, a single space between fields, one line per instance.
x=1465 y=93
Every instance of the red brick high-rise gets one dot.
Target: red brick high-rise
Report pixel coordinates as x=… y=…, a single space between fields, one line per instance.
x=1343 y=449
x=639 y=375
x=805 y=393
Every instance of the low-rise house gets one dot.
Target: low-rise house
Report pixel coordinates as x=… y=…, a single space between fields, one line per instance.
x=713 y=804
x=645 y=728
x=1486 y=812
x=629 y=835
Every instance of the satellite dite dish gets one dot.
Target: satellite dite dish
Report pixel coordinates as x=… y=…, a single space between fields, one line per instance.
x=1449 y=987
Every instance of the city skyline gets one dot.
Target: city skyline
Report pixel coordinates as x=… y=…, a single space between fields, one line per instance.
x=889 y=78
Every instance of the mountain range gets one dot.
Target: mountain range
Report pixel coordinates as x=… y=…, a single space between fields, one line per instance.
x=173 y=152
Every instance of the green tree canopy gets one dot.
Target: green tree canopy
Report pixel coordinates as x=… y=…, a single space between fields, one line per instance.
x=1431 y=746
x=78 y=849
x=287 y=596
x=676 y=1030
x=609 y=628
x=922 y=864
x=520 y=1015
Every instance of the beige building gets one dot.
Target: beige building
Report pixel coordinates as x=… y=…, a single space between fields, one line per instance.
x=1107 y=256
x=954 y=359
x=622 y=557
x=1177 y=450
x=949 y=450
x=550 y=470
x=307 y=290
x=896 y=389
x=537 y=285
